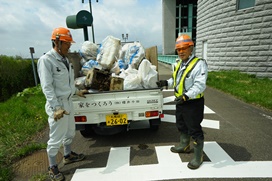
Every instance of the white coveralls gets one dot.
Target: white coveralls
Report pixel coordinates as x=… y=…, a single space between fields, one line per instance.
x=58 y=86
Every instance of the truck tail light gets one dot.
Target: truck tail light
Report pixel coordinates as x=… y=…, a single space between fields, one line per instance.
x=151 y=114
x=80 y=119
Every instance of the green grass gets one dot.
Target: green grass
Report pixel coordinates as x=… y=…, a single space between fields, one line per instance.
x=243 y=86
x=22 y=117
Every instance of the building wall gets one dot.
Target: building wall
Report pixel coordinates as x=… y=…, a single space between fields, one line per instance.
x=168 y=27
x=235 y=39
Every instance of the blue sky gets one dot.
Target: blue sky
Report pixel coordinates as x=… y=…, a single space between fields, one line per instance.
x=29 y=23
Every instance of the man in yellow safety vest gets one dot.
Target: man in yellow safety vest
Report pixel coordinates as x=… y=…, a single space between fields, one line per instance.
x=189 y=82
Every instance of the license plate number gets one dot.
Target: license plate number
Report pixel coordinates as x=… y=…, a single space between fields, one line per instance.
x=118 y=119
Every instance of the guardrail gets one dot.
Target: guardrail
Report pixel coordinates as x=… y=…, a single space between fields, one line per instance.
x=169 y=59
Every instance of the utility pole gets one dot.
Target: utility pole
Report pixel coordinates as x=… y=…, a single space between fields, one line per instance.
x=33 y=65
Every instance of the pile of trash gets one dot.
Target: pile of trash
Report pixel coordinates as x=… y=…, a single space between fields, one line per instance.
x=112 y=66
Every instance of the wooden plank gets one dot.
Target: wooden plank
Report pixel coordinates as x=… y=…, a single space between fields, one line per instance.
x=75 y=58
x=151 y=54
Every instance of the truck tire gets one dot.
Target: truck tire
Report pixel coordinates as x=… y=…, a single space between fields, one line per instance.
x=154 y=124
x=88 y=132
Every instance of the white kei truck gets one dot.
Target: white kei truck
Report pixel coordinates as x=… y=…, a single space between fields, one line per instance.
x=110 y=112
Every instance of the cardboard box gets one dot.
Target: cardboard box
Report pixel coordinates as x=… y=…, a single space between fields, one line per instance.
x=98 y=80
x=116 y=83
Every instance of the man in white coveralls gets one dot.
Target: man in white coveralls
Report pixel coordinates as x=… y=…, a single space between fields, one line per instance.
x=57 y=81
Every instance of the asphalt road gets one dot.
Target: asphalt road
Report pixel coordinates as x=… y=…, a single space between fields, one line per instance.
x=238 y=146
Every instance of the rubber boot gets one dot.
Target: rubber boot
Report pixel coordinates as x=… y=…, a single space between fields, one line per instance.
x=184 y=144
x=198 y=155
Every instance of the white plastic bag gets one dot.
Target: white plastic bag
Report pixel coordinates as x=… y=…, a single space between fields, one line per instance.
x=89 y=65
x=88 y=50
x=115 y=68
x=148 y=74
x=80 y=82
x=132 y=79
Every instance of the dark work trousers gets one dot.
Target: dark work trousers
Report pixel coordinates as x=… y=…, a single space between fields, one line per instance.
x=189 y=115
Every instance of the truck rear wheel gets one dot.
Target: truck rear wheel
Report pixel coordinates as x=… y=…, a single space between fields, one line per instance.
x=154 y=124
x=88 y=131
x=102 y=129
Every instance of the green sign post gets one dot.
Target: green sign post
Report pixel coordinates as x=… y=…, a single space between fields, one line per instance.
x=82 y=19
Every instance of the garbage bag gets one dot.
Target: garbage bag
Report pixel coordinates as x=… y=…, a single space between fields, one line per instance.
x=89 y=65
x=148 y=74
x=131 y=79
x=88 y=50
x=133 y=54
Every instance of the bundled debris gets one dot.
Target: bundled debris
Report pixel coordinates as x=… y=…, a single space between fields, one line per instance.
x=98 y=80
x=111 y=67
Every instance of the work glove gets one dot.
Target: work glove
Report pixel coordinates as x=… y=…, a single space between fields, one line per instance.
x=58 y=114
x=162 y=83
x=181 y=99
x=82 y=92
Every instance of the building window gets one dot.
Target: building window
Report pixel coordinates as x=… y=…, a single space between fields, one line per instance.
x=243 y=4
x=186 y=12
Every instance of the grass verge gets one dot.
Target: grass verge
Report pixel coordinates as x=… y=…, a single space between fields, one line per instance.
x=22 y=118
x=243 y=86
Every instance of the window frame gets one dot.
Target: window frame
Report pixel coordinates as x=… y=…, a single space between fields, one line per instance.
x=238 y=4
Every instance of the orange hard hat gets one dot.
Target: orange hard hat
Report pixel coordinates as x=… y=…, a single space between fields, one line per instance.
x=184 y=41
x=62 y=34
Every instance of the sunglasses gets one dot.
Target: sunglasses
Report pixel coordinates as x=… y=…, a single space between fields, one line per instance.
x=182 y=49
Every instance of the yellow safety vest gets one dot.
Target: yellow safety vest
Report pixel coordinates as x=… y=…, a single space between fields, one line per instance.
x=188 y=69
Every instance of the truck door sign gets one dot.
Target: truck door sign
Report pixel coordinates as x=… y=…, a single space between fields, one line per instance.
x=94 y=104
x=111 y=103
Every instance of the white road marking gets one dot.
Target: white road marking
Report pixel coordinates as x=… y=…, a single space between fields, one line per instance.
x=168 y=90
x=169 y=118
x=220 y=157
x=118 y=159
x=207 y=123
x=169 y=107
x=170 y=166
x=173 y=107
x=208 y=110
x=214 y=124
x=168 y=99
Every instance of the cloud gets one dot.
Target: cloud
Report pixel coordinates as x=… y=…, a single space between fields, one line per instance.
x=30 y=23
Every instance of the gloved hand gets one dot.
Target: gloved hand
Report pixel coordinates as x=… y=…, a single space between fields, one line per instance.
x=162 y=83
x=181 y=99
x=58 y=114
x=81 y=93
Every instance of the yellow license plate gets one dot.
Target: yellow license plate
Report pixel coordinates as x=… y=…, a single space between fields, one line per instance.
x=118 y=119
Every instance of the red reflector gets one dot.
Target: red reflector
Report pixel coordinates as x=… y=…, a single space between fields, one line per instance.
x=151 y=113
x=161 y=115
x=80 y=119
